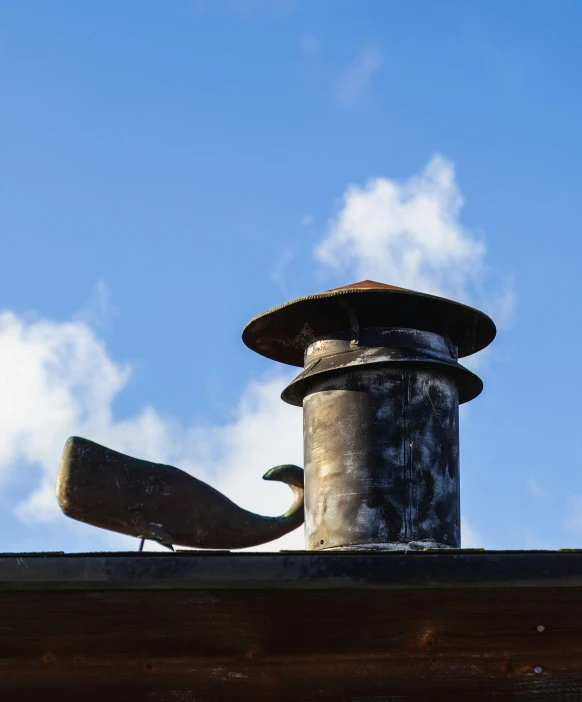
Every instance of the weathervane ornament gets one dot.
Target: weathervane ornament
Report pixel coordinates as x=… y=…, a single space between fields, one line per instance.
x=380 y=390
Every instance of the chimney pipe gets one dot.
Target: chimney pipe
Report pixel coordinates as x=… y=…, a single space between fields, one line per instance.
x=380 y=391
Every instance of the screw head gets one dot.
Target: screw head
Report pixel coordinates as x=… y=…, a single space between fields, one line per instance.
x=538 y=670
x=540 y=628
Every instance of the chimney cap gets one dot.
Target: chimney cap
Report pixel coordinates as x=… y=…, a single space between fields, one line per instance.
x=282 y=333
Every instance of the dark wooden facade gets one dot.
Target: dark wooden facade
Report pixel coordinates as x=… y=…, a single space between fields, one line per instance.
x=291 y=626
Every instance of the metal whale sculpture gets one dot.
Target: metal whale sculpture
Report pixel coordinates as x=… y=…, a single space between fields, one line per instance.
x=113 y=491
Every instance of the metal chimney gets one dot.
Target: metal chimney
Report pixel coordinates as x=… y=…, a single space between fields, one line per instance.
x=380 y=391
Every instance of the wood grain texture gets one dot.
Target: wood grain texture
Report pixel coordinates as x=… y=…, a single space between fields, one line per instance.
x=260 y=644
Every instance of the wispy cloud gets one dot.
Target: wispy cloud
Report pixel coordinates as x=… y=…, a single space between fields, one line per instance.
x=281 y=264
x=409 y=233
x=99 y=310
x=573 y=519
x=306 y=221
x=536 y=489
x=246 y=8
x=357 y=77
x=470 y=538
x=310 y=44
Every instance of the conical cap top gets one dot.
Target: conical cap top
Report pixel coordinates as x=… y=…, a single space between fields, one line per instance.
x=283 y=333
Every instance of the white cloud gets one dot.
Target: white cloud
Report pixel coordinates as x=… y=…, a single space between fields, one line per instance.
x=408 y=233
x=469 y=537
x=281 y=265
x=306 y=221
x=52 y=376
x=536 y=489
x=573 y=520
x=198 y=5
x=310 y=44
x=247 y=8
x=98 y=311
x=358 y=76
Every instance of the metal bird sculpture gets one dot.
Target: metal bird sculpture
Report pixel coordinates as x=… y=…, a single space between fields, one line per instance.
x=162 y=503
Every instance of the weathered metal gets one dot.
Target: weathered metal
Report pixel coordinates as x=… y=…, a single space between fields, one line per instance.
x=162 y=503
x=295 y=570
x=382 y=459
x=381 y=348
x=283 y=333
x=380 y=393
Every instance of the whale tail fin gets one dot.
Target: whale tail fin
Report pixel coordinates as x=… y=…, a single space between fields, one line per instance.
x=113 y=491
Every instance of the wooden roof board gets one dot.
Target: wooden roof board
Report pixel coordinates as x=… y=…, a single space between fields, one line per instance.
x=291 y=626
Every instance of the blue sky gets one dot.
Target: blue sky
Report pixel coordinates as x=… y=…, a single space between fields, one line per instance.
x=168 y=170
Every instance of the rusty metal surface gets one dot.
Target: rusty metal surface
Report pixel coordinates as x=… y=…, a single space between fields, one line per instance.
x=381 y=459
x=117 y=492
x=283 y=333
x=434 y=345
x=369 y=285
x=406 y=348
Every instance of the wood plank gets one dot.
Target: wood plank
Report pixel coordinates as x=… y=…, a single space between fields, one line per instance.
x=465 y=643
